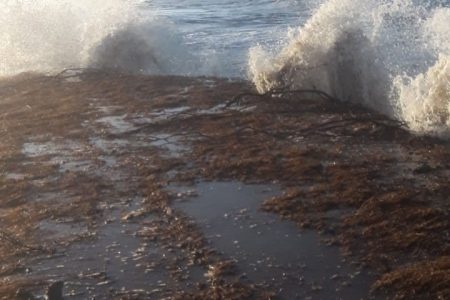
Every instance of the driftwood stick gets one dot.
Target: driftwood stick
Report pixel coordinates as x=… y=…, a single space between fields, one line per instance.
x=334 y=124
x=281 y=91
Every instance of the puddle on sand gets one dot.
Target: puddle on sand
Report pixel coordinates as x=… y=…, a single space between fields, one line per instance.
x=65 y=154
x=107 y=109
x=15 y=176
x=268 y=249
x=37 y=149
x=112 y=261
x=171 y=144
x=66 y=147
x=117 y=124
x=66 y=165
x=109 y=146
x=58 y=230
x=165 y=114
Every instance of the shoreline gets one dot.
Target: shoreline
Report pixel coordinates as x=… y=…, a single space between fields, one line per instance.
x=87 y=158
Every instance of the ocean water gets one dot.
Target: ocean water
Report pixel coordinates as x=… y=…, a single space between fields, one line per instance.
x=221 y=33
x=390 y=55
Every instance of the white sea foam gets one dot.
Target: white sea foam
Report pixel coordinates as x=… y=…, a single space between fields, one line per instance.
x=392 y=56
x=50 y=35
x=425 y=99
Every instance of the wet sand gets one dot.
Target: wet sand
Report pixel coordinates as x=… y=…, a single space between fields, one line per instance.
x=135 y=187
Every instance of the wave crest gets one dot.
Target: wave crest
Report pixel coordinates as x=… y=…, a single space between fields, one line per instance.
x=425 y=100
x=47 y=36
x=148 y=47
x=391 y=56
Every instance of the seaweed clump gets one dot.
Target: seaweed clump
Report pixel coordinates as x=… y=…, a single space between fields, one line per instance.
x=354 y=175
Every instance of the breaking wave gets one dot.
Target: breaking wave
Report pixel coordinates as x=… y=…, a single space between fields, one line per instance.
x=48 y=36
x=392 y=56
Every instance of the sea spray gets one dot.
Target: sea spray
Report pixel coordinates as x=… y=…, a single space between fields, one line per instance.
x=144 y=47
x=47 y=36
x=331 y=52
x=392 y=56
x=424 y=99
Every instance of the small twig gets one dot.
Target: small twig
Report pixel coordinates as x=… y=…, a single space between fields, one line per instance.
x=280 y=91
x=349 y=121
x=162 y=123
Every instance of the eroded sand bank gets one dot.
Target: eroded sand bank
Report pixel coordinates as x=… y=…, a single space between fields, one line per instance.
x=133 y=187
